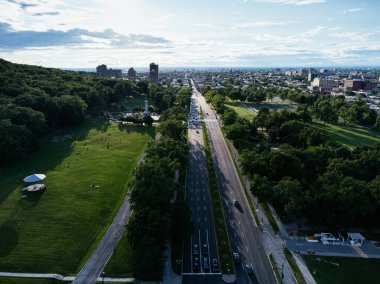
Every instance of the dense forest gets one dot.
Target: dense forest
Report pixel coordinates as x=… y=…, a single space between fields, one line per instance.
x=293 y=166
x=35 y=101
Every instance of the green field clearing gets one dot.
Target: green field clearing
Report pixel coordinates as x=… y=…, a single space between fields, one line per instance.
x=345 y=270
x=241 y=110
x=119 y=264
x=131 y=102
x=55 y=231
x=350 y=135
x=14 y=280
x=273 y=105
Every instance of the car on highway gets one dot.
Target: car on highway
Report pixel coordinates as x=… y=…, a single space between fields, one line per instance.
x=195 y=250
x=196 y=266
x=249 y=268
x=215 y=265
x=236 y=257
x=205 y=249
x=206 y=265
x=197 y=131
x=236 y=203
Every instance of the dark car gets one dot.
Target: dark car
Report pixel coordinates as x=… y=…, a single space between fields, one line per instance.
x=215 y=265
x=236 y=203
x=206 y=265
x=195 y=250
x=196 y=266
x=205 y=249
x=249 y=268
x=236 y=257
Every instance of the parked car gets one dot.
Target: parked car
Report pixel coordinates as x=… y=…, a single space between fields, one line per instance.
x=206 y=265
x=249 y=268
x=195 y=250
x=205 y=249
x=196 y=266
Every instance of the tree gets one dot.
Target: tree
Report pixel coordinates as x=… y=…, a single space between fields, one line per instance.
x=229 y=117
x=288 y=193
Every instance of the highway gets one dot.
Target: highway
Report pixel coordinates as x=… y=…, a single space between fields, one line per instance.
x=199 y=200
x=243 y=234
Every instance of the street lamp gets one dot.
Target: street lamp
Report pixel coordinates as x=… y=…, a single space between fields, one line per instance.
x=103 y=273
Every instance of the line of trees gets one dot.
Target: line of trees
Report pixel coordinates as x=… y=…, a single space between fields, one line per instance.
x=157 y=217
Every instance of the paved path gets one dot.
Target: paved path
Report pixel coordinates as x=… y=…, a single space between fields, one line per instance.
x=99 y=258
x=169 y=276
x=60 y=277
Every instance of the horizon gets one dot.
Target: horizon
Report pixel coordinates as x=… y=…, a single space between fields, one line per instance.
x=219 y=34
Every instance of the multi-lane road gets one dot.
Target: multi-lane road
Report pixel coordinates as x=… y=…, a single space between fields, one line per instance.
x=244 y=236
x=200 y=247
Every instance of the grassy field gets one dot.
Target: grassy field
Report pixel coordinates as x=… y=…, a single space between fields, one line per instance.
x=278 y=105
x=292 y=262
x=130 y=102
x=241 y=110
x=347 y=270
x=14 y=280
x=55 y=230
x=119 y=264
x=351 y=136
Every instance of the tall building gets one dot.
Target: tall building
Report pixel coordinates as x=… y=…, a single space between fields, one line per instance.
x=312 y=74
x=322 y=85
x=153 y=73
x=132 y=74
x=357 y=84
x=103 y=70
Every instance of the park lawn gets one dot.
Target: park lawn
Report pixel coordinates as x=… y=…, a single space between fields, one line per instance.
x=16 y=280
x=347 y=270
x=55 y=231
x=278 y=105
x=131 y=102
x=242 y=111
x=120 y=263
x=350 y=135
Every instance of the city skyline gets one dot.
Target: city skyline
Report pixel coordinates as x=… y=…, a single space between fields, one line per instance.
x=234 y=33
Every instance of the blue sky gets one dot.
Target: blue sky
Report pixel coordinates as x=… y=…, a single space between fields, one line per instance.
x=251 y=33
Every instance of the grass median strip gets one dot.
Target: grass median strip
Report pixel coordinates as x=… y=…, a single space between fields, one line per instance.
x=270 y=217
x=275 y=268
x=258 y=224
x=224 y=249
x=296 y=271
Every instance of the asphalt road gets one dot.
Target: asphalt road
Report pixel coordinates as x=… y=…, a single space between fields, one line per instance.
x=243 y=233
x=199 y=200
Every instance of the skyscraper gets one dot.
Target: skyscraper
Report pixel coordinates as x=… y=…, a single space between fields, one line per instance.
x=153 y=73
x=132 y=74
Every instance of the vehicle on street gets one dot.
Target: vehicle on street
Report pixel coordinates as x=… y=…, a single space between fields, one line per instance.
x=236 y=257
x=236 y=203
x=205 y=249
x=195 y=250
x=249 y=268
x=206 y=265
x=215 y=265
x=196 y=266
x=197 y=131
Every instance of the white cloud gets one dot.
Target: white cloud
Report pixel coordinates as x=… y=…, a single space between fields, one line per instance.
x=205 y=25
x=353 y=10
x=352 y=35
x=260 y=24
x=293 y=2
x=300 y=37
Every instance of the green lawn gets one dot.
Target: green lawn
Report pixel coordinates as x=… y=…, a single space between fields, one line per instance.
x=56 y=230
x=275 y=105
x=131 y=102
x=349 y=135
x=14 y=280
x=345 y=270
x=241 y=110
x=119 y=264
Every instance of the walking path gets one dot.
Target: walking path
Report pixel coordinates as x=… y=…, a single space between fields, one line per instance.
x=169 y=276
x=60 y=277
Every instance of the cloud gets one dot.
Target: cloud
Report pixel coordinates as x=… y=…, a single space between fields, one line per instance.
x=205 y=25
x=351 y=35
x=353 y=10
x=301 y=37
x=292 y=2
x=23 y=5
x=260 y=24
x=12 y=39
x=47 y=14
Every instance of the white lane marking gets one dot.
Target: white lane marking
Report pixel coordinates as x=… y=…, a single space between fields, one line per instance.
x=235 y=234
x=191 y=253
x=242 y=233
x=246 y=248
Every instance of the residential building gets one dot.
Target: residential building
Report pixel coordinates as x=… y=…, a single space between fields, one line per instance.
x=103 y=70
x=153 y=73
x=132 y=74
x=356 y=85
x=322 y=85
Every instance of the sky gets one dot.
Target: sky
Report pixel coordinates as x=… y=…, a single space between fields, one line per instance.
x=191 y=33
